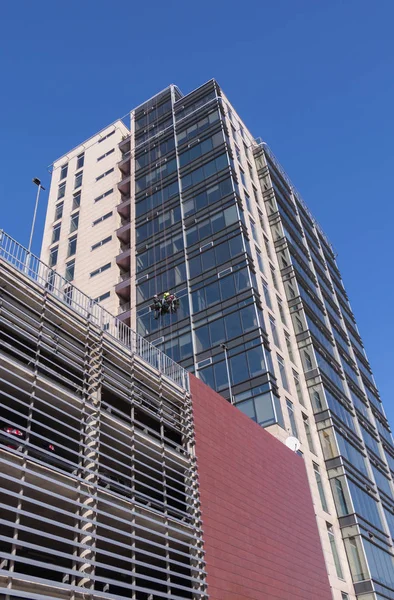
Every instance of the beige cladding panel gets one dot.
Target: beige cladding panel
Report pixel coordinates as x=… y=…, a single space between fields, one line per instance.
x=86 y=259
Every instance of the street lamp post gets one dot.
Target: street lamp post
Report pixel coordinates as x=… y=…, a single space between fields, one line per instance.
x=39 y=188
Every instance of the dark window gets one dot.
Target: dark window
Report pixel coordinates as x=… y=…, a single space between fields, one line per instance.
x=107 y=193
x=72 y=246
x=58 y=211
x=207 y=170
x=70 y=268
x=106 y=154
x=76 y=200
x=102 y=242
x=198 y=150
x=100 y=269
x=53 y=256
x=63 y=171
x=80 y=160
x=56 y=233
x=102 y=297
x=74 y=222
x=106 y=216
x=61 y=192
x=267 y=294
x=105 y=174
x=106 y=136
x=78 y=179
x=290 y=412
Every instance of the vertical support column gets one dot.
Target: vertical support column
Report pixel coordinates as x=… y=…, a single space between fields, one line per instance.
x=193 y=499
x=91 y=442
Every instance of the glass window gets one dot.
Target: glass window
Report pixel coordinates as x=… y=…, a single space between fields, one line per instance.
x=53 y=256
x=100 y=269
x=238 y=368
x=256 y=362
x=351 y=454
x=80 y=160
x=247 y=407
x=72 y=246
x=365 y=505
x=218 y=332
x=282 y=371
x=290 y=412
x=76 y=200
x=354 y=554
x=58 y=211
x=297 y=384
x=308 y=361
x=273 y=275
x=233 y=325
x=316 y=400
x=289 y=347
x=207 y=170
x=265 y=409
x=299 y=326
x=102 y=297
x=212 y=292
x=56 y=233
x=320 y=487
x=105 y=174
x=202 y=338
x=334 y=551
x=63 y=171
x=106 y=216
x=274 y=331
x=381 y=564
x=61 y=192
x=104 y=195
x=248 y=318
x=74 y=222
x=308 y=433
x=281 y=310
x=381 y=481
x=102 y=242
x=70 y=269
x=78 y=179
x=267 y=294
x=339 y=497
x=260 y=260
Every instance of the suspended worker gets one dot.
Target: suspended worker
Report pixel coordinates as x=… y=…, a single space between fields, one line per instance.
x=168 y=304
x=157 y=306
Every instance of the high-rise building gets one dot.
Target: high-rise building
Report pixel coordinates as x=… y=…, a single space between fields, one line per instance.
x=185 y=199
x=115 y=480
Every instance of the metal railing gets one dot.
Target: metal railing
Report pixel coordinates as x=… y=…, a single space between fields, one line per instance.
x=32 y=267
x=274 y=160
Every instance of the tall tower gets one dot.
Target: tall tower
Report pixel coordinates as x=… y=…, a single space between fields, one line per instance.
x=188 y=201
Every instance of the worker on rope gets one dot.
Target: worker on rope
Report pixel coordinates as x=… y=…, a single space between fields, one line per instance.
x=157 y=306
x=169 y=304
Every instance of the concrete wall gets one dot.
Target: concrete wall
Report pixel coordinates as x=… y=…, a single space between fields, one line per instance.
x=260 y=532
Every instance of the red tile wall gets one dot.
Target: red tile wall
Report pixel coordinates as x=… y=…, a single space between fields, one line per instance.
x=260 y=533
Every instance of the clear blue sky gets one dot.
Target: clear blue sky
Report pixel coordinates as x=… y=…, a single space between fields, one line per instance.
x=314 y=78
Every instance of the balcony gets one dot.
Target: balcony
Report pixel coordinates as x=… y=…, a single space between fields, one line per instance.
x=124 y=145
x=123 y=233
x=123 y=259
x=124 y=208
x=122 y=288
x=124 y=186
x=124 y=313
x=124 y=164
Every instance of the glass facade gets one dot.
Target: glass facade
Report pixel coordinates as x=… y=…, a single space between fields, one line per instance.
x=218 y=222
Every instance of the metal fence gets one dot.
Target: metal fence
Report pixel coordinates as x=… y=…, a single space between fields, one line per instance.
x=32 y=267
